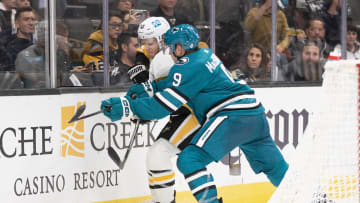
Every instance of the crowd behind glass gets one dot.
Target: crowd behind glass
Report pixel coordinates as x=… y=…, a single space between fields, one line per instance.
x=308 y=35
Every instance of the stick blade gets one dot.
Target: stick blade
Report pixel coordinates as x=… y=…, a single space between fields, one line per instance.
x=115 y=157
x=78 y=113
x=73 y=120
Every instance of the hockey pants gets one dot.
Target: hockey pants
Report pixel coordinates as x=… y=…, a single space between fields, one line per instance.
x=217 y=138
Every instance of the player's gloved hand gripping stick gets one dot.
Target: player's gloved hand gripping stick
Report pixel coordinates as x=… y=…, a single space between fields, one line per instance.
x=120 y=108
x=138 y=74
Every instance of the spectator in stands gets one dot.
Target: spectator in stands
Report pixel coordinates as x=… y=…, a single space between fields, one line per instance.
x=128 y=43
x=22 y=3
x=308 y=65
x=352 y=45
x=25 y=23
x=301 y=16
x=130 y=19
x=131 y=22
x=68 y=73
x=166 y=9
x=7 y=20
x=93 y=47
x=297 y=30
x=126 y=20
x=30 y=62
x=125 y=5
x=332 y=20
x=253 y=66
x=258 y=23
x=315 y=31
x=64 y=61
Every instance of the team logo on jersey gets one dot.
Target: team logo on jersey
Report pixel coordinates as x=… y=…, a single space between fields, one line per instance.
x=175 y=30
x=72 y=134
x=183 y=60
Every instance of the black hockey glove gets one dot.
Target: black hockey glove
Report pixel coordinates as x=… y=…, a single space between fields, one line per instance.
x=138 y=73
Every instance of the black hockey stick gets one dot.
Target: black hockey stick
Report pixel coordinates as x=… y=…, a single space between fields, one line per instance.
x=81 y=110
x=115 y=157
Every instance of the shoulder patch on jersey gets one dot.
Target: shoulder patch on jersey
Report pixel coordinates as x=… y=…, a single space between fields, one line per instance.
x=183 y=60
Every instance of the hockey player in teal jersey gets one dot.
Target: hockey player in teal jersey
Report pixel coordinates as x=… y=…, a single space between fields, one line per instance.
x=230 y=114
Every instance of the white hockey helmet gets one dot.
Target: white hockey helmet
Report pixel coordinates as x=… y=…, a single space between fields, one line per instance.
x=153 y=27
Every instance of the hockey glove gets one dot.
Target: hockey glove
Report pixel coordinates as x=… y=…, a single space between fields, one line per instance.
x=138 y=73
x=145 y=89
x=120 y=108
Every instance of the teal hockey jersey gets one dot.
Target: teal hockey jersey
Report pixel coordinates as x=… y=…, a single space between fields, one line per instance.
x=200 y=80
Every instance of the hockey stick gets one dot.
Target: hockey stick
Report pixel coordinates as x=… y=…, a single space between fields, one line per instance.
x=115 y=157
x=81 y=110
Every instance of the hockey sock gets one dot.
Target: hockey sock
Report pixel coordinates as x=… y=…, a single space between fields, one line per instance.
x=160 y=172
x=192 y=163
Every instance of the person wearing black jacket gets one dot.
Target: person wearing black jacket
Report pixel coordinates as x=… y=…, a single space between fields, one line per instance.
x=332 y=21
x=166 y=9
x=7 y=21
x=25 y=24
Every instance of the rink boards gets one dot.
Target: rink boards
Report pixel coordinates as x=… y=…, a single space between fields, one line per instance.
x=45 y=159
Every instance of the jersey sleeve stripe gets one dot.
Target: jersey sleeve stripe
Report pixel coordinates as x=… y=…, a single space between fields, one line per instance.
x=180 y=93
x=242 y=106
x=164 y=102
x=227 y=101
x=178 y=96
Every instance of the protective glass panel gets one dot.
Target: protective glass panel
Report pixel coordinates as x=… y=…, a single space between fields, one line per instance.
x=23 y=41
x=313 y=34
x=80 y=55
x=352 y=37
x=76 y=21
x=244 y=39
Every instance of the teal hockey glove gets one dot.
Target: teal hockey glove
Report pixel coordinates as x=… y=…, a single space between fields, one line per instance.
x=120 y=108
x=145 y=89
